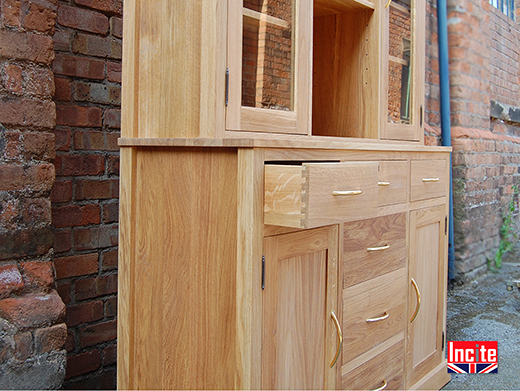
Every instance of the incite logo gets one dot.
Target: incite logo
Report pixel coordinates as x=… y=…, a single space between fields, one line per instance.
x=473 y=357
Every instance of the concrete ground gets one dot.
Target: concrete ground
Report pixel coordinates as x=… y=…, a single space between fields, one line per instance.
x=485 y=310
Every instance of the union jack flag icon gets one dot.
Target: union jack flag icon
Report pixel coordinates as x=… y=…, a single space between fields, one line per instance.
x=472 y=368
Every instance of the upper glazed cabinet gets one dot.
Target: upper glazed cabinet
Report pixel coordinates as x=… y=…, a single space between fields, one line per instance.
x=322 y=73
x=240 y=68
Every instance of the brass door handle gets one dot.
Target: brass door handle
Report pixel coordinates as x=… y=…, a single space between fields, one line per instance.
x=382 y=387
x=385 y=316
x=346 y=192
x=426 y=180
x=340 y=338
x=378 y=248
x=388 y=4
x=383 y=183
x=418 y=300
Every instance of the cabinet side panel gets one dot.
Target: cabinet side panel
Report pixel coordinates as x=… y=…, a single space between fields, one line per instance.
x=125 y=324
x=185 y=270
x=179 y=58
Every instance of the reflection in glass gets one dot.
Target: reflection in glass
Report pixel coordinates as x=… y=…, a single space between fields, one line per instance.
x=399 y=68
x=267 y=58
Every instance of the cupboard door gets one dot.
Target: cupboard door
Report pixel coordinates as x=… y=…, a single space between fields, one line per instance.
x=269 y=66
x=428 y=279
x=300 y=339
x=404 y=69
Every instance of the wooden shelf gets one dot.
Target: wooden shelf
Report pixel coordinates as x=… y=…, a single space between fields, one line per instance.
x=327 y=7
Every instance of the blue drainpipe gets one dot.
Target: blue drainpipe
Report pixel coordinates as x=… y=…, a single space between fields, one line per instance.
x=442 y=20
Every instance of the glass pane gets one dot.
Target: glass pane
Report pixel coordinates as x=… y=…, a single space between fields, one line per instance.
x=400 y=67
x=268 y=54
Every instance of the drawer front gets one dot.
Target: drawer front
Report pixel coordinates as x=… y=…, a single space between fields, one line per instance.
x=373 y=247
x=385 y=368
x=428 y=179
x=373 y=312
x=341 y=191
x=317 y=194
x=392 y=182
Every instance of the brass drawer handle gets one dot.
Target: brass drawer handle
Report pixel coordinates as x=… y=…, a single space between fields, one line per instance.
x=427 y=180
x=418 y=300
x=382 y=387
x=378 y=248
x=346 y=192
x=383 y=183
x=340 y=338
x=385 y=316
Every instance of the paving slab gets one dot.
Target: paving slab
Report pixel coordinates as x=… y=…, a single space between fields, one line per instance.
x=484 y=310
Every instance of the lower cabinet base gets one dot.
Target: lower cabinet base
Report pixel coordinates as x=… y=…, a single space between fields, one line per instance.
x=434 y=380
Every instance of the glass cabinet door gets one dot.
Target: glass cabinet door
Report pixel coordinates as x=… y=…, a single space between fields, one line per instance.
x=405 y=70
x=268 y=66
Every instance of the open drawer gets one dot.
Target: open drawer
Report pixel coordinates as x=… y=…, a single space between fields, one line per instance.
x=316 y=194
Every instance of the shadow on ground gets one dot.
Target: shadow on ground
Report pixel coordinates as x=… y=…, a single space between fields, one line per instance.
x=485 y=310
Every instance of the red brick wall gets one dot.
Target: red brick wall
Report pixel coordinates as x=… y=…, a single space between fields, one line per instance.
x=87 y=72
x=268 y=47
x=483 y=50
x=32 y=333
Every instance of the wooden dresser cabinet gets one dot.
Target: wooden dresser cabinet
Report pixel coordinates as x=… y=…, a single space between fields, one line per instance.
x=282 y=224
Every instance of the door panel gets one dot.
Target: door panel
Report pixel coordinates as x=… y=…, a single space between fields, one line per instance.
x=299 y=337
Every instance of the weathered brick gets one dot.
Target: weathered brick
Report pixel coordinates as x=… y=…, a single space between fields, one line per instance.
x=11 y=13
x=61 y=191
x=39 y=145
x=23 y=346
x=12 y=177
x=33 y=310
x=74 y=165
x=114 y=71
x=110 y=355
x=80 y=116
x=64 y=292
x=82 y=19
x=12 y=145
x=108 y=6
x=75 y=215
x=10 y=280
x=25 y=242
x=12 y=79
x=36 y=273
x=82 y=363
x=111 y=212
x=95 y=287
x=36 y=211
x=96 y=46
x=112 y=118
x=40 y=18
x=24 y=46
x=113 y=165
x=70 y=342
x=28 y=112
x=82 y=313
x=51 y=338
x=63 y=138
x=96 y=334
x=69 y=65
x=109 y=260
x=96 y=189
x=76 y=265
x=116 y=27
x=89 y=140
x=63 y=89
x=39 y=81
x=111 y=307
x=96 y=237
